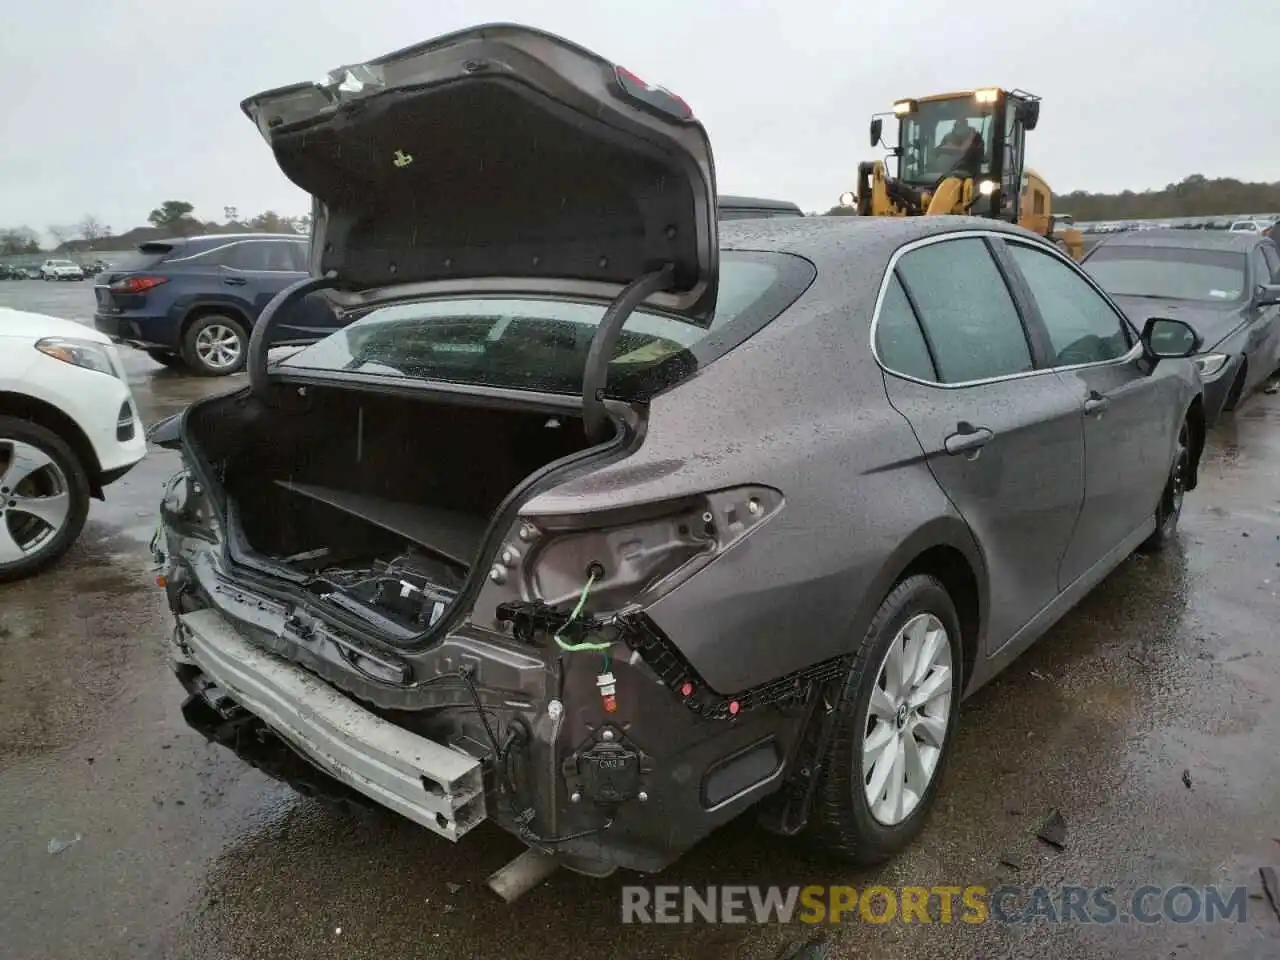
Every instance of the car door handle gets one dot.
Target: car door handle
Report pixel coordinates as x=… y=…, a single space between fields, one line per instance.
x=234 y=281
x=1095 y=403
x=967 y=441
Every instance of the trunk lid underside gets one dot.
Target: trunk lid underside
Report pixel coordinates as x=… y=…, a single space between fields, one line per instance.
x=500 y=152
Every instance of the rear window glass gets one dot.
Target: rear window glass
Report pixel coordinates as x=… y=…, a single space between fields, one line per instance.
x=541 y=344
x=1172 y=273
x=147 y=255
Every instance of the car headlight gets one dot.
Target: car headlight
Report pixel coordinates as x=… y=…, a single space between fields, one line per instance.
x=80 y=353
x=1211 y=364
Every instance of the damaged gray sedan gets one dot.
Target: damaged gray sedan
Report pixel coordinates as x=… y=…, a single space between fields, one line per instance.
x=608 y=523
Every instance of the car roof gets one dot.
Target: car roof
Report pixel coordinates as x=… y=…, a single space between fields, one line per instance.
x=731 y=202
x=1202 y=240
x=839 y=238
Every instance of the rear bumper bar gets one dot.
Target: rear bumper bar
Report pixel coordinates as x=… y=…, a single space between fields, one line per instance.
x=433 y=785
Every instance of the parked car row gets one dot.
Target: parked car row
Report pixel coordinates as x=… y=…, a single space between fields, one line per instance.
x=1224 y=284
x=53 y=269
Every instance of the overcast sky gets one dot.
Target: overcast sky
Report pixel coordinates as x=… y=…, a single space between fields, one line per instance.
x=112 y=106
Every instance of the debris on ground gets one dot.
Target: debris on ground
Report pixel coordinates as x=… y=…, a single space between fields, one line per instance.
x=56 y=846
x=1040 y=676
x=1054 y=830
x=1186 y=779
x=1271 y=887
x=452 y=887
x=1008 y=860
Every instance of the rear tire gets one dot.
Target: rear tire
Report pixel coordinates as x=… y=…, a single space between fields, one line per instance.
x=884 y=744
x=1169 y=510
x=42 y=510
x=215 y=345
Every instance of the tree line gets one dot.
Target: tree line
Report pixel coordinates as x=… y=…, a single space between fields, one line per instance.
x=173 y=218
x=1195 y=196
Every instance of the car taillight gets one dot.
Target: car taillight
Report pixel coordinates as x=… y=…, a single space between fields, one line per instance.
x=651 y=95
x=625 y=560
x=137 y=284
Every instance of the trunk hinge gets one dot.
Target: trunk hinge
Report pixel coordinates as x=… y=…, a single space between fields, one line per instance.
x=596 y=374
x=256 y=361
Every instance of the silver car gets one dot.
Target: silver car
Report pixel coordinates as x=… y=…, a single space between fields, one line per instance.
x=610 y=523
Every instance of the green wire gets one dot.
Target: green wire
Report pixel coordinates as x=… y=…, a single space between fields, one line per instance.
x=585 y=645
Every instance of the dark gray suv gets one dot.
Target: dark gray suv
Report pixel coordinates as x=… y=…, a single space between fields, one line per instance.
x=609 y=523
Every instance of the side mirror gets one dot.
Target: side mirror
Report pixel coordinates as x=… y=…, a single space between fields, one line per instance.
x=1029 y=113
x=877 y=128
x=1164 y=339
x=1267 y=295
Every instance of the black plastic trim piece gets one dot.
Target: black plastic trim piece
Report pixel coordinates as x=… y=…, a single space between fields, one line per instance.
x=256 y=362
x=605 y=339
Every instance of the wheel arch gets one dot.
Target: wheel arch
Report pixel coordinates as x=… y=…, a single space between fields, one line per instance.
x=51 y=418
x=208 y=308
x=945 y=549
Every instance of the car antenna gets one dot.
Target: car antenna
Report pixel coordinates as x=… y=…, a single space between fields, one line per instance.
x=594 y=416
x=256 y=361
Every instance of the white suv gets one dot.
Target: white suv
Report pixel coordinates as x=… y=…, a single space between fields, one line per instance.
x=68 y=428
x=61 y=270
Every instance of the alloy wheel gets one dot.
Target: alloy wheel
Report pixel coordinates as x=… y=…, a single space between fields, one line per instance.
x=35 y=500
x=218 y=346
x=907 y=719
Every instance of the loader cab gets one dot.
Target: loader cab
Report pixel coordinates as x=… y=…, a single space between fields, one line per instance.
x=978 y=134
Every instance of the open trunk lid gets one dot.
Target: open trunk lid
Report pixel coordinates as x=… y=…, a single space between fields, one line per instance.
x=500 y=155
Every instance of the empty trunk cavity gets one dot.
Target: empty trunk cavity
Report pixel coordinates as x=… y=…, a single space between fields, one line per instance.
x=369 y=490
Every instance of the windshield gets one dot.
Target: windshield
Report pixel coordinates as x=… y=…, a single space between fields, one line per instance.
x=946 y=136
x=541 y=344
x=62 y=263
x=1205 y=276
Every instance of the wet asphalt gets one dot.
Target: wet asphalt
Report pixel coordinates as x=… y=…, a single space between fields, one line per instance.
x=180 y=851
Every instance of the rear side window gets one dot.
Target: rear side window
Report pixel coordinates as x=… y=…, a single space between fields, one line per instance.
x=267 y=255
x=297 y=256
x=145 y=257
x=966 y=310
x=900 y=343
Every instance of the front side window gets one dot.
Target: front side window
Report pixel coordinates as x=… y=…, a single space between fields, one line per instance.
x=1261 y=268
x=1082 y=326
x=1169 y=273
x=1272 y=256
x=966 y=310
x=945 y=137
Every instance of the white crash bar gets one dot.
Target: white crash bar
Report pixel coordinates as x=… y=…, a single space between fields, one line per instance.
x=431 y=784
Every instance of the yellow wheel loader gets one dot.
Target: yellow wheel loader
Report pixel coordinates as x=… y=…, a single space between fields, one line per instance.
x=962 y=153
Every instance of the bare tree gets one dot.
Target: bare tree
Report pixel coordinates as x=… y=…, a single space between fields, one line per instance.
x=91 y=229
x=61 y=234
